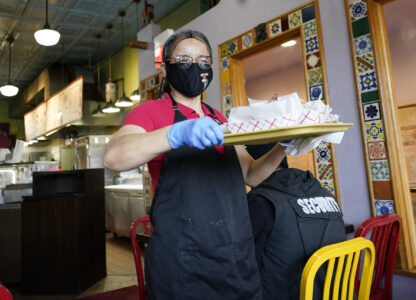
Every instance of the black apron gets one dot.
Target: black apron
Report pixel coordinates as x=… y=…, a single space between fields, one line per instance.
x=202 y=245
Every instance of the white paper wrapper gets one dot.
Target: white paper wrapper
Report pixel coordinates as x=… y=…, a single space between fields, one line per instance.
x=287 y=111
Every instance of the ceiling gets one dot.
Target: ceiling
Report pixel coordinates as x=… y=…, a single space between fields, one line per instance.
x=78 y=22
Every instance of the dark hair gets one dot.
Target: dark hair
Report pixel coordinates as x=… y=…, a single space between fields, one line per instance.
x=171 y=44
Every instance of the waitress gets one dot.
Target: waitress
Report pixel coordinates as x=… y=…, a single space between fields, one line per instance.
x=202 y=245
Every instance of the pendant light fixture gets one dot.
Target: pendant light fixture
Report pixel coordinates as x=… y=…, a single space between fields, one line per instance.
x=110 y=87
x=135 y=96
x=9 y=90
x=98 y=112
x=123 y=101
x=47 y=36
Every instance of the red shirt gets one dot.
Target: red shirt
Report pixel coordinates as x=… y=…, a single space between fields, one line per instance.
x=155 y=114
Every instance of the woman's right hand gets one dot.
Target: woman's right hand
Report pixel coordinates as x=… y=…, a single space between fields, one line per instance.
x=199 y=133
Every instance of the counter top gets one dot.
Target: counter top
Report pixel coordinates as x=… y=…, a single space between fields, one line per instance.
x=124 y=187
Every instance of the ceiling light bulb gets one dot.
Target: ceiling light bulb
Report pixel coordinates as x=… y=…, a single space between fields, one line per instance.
x=9 y=90
x=47 y=36
x=289 y=43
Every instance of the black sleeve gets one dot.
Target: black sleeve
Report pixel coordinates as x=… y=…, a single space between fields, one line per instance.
x=262 y=214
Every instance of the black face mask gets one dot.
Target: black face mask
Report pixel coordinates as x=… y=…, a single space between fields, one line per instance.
x=190 y=82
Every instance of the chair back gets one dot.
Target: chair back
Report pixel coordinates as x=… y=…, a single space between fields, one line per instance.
x=348 y=252
x=148 y=228
x=4 y=293
x=385 y=237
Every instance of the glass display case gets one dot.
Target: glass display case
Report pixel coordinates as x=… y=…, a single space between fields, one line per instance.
x=22 y=173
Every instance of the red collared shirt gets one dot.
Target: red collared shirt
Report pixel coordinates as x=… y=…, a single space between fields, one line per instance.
x=155 y=114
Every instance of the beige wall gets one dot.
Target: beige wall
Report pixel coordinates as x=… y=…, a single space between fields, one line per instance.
x=281 y=82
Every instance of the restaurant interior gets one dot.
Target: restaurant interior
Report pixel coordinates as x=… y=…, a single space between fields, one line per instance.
x=72 y=70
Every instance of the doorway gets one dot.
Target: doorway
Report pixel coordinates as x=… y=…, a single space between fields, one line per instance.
x=401 y=30
x=274 y=72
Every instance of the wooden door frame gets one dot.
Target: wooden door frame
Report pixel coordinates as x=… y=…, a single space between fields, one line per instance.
x=392 y=137
x=306 y=20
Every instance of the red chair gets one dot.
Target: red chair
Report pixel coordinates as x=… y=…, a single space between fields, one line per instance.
x=4 y=293
x=385 y=237
x=148 y=229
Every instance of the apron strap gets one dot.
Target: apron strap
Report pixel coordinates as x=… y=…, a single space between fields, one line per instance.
x=180 y=117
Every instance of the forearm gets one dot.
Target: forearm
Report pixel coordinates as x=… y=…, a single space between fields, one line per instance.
x=129 y=151
x=261 y=168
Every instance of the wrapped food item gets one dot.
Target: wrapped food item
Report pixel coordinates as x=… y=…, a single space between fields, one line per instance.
x=287 y=111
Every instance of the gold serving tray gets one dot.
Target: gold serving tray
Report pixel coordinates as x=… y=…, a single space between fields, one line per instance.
x=282 y=134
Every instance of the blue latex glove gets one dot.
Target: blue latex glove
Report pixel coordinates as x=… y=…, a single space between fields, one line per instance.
x=199 y=133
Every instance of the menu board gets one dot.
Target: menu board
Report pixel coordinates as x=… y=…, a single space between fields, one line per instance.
x=35 y=124
x=61 y=109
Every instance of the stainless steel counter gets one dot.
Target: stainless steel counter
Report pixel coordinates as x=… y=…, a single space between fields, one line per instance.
x=124 y=204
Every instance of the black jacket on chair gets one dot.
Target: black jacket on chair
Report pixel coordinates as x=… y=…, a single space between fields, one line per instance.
x=292 y=217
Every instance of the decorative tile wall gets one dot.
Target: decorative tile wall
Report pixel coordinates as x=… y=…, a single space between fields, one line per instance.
x=373 y=125
x=303 y=18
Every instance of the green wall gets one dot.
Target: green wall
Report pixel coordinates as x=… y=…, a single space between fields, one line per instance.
x=130 y=72
x=4 y=118
x=181 y=14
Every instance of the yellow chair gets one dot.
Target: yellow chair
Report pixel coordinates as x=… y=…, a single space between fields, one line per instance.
x=351 y=250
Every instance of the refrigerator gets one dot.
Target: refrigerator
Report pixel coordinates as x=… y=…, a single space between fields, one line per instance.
x=89 y=153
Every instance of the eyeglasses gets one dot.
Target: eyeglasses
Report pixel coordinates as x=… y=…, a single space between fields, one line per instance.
x=185 y=61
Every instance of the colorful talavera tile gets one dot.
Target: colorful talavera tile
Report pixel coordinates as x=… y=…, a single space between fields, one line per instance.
x=368 y=81
x=360 y=27
x=369 y=96
x=275 y=27
x=313 y=60
x=358 y=10
x=227 y=113
x=309 y=29
x=323 y=153
x=376 y=150
x=225 y=63
x=379 y=170
x=226 y=88
x=295 y=19
x=374 y=130
x=311 y=44
x=325 y=171
x=365 y=62
x=247 y=40
x=383 y=207
x=229 y=49
x=314 y=76
x=328 y=184
x=371 y=111
x=308 y=13
x=228 y=101
x=363 y=45
x=316 y=92
x=232 y=47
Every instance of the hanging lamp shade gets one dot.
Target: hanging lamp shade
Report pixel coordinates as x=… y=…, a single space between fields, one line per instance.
x=135 y=96
x=98 y=112
x=9 y=90
x=123 y=101
x=47 y=36
x=109 y=108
